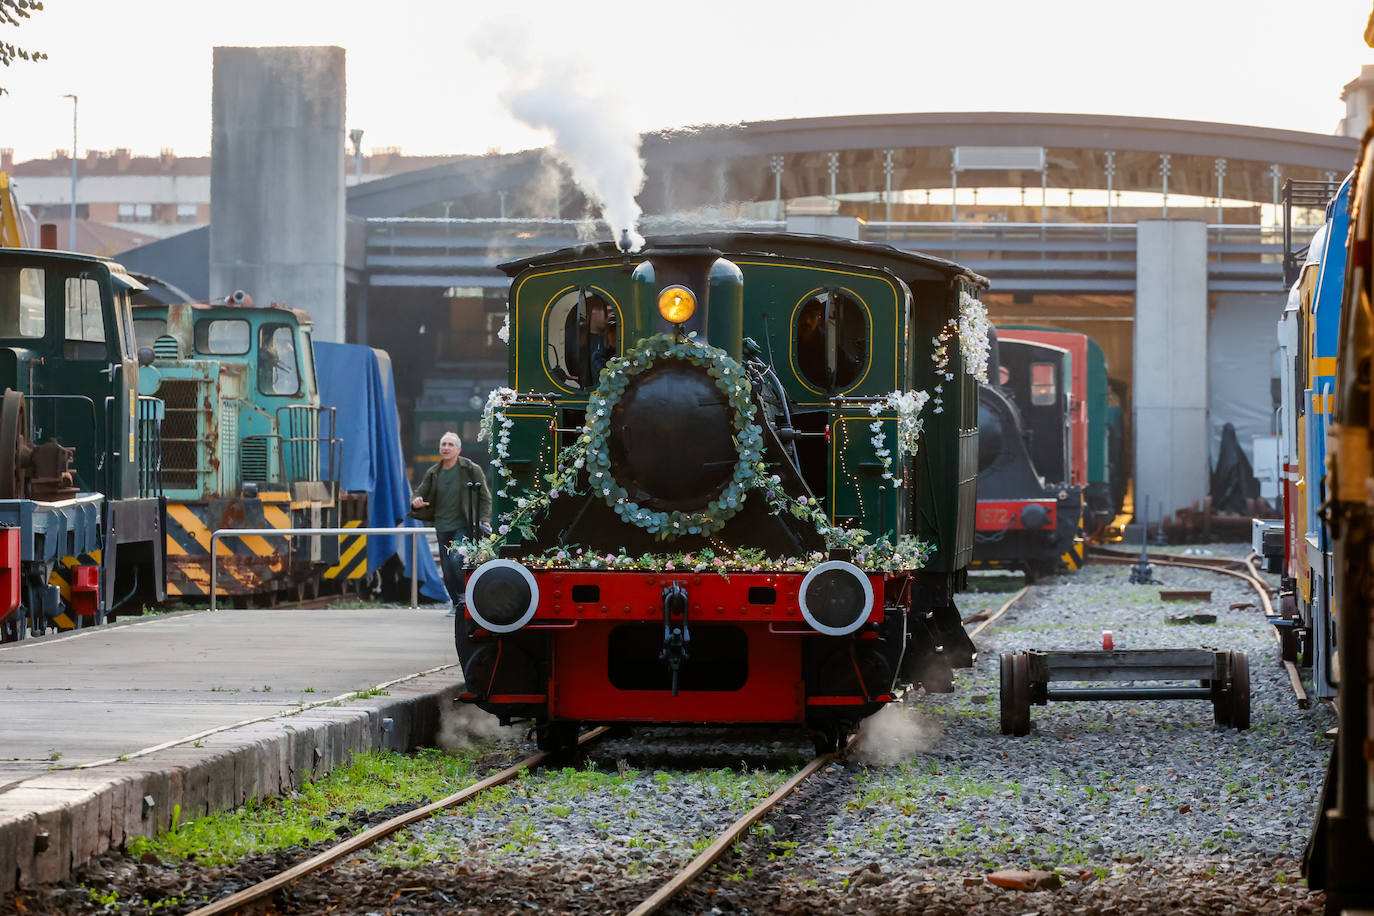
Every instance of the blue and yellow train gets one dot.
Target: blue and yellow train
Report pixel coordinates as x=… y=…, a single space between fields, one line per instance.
x=1328 y=410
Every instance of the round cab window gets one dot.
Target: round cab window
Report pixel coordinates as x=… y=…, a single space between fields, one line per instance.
x=580 y=337
x=830 y=339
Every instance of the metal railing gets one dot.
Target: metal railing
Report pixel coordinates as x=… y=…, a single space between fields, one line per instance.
x=341 y=532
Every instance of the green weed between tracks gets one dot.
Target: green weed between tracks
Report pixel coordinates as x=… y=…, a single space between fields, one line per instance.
x=319 y=811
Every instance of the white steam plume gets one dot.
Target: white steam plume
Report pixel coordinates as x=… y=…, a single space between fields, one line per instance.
x=586 y=114
x=894 y=735
x=461 y=726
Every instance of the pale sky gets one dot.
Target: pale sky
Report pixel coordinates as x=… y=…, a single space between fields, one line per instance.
x=142 y=67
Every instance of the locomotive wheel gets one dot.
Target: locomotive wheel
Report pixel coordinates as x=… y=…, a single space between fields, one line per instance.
x=1015 y=694
x=937 y=676
x=557 y=738
x=829 y=737
x=11 y=444
x=1239 y=669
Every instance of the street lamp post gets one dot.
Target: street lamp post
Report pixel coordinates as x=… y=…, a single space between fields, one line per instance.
x=356 y=135
x=71 y=230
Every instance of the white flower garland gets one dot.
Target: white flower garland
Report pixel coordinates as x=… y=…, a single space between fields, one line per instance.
x=495 y=428
x=973 y=329
x=973 y=336
x=908 y=405
x=504 y=331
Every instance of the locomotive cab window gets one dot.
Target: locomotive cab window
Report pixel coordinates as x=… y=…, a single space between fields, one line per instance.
x=22 y=302
x=278 y=370
x=1043 y=389
x=831 y=341
x=580 y=337
x=223 y=336
x=85 y=321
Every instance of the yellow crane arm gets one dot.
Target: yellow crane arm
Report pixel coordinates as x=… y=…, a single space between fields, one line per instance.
x=11 y=229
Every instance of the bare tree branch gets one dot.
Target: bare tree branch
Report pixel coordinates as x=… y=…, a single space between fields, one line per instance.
x=11 y=12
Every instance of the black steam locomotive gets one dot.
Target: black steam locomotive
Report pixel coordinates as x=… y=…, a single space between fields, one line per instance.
x=735 y=478
x=1029 y=512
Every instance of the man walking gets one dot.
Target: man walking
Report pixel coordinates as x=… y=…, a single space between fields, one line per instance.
x=453 y=496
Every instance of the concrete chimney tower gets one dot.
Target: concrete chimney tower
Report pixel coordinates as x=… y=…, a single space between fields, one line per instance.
x=277 y=180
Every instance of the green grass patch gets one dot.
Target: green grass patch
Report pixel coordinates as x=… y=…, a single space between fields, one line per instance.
x=315 y=813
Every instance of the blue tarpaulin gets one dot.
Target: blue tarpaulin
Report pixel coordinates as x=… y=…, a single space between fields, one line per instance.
x=357 y=381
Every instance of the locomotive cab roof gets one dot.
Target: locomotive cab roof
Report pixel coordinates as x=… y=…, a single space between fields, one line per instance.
x=117 y=272
x=907 y=265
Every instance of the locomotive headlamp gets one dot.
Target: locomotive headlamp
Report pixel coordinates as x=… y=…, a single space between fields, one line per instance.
x=502 y=596
x=836 y=598
x=676 y=304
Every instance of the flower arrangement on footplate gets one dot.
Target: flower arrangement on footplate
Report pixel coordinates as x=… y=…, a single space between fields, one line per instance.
x=692 y=534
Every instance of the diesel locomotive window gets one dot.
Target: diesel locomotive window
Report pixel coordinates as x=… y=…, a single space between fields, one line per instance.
x=223 y=336
x=308 y=359
x=21 y=302
x=831 y=340
x=580 y=337
x=85 y=323
x=147 y=330
x=1043 y=387
x=277 y=368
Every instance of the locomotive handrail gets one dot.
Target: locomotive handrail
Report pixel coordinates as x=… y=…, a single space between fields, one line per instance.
x=341 y=532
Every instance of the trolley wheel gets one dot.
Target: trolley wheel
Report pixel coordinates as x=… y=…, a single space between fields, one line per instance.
x=12 y=427
x=1221 y=702
x=1239 y=671
x=1015 y=694
x=557 y=738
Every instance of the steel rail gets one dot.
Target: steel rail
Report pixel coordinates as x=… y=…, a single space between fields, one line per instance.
x=1222 y=565
x=999 y=612
x=727 y=839
x=362 y=840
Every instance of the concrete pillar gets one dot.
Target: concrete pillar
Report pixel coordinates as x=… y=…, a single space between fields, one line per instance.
x=1242 y=349
x=1169 y=391
x=277 y=180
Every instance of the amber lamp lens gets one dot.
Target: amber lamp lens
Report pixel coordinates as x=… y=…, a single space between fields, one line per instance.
x=676 y=304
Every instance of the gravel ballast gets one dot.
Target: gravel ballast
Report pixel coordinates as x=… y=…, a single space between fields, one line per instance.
x=1136 y=806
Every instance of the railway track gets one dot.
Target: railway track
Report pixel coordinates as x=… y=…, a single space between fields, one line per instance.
x=666 y=892
x=1244 y=570
x=249 y=895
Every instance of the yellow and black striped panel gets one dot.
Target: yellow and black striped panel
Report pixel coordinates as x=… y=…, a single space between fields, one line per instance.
x=61 y=577
x=1073 y=558
x=249 y=564
x=352 y=555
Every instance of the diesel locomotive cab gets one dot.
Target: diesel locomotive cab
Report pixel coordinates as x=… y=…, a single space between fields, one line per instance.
x=246 y=444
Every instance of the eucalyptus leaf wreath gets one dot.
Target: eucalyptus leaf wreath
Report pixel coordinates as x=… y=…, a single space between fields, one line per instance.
x=748 y=437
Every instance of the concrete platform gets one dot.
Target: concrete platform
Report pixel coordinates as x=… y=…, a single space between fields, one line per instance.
x=104 y=732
